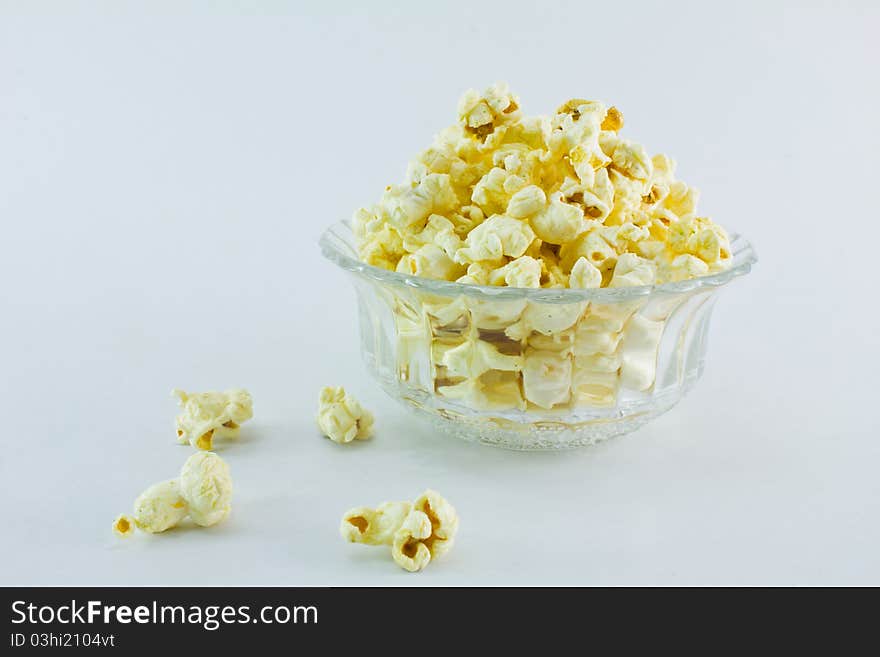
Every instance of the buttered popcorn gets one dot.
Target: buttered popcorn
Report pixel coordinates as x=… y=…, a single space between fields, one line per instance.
x=203 y=492
x=418 y=532
x=206 y=416
x=341 y=417
x=567 y=192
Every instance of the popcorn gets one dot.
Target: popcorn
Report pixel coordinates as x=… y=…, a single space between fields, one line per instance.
x=341 y=418
x=206 y=487
x=500 y=199
x=498 y=185
x=495 y=238
x=203 y=492
x=546 y=378
x=522 y=272
x=584 y=274
x=631 y=270
x=209 y=415
x=638 y=353
x=417 y=532
x=374 y=526
x=157 y=509
x=559 y=222
x=526 y=202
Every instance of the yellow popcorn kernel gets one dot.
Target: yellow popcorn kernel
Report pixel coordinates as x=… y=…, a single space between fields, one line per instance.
x=496 y=237
x=585 y=275
x=206 y=416
x=632 y=270
x=374 y=526
x=526 y=202
x=546 y=378
x=524 y=271
x=124 y=525
x=341 y=417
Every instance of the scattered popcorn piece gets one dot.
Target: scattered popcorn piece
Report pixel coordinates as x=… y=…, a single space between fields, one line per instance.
x=417 y=532
x=409 y=549
x=374 y=526
x=203 y=492
x=341 y=417
x=209 y=415
x=206 y=488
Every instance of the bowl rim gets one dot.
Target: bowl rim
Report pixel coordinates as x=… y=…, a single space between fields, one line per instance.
x=335 y=241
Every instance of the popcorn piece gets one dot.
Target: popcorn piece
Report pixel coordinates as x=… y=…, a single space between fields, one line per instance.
x=430 y=261
x=206 y=488
x=684 y=267
x=341 y=418
x=203 y=492
x=209 y=415
x=638 y=353
x=409 y=549
x=124 y=525
x=475 y=357
x=559 y=222
x=522 y=272
x=546 y=378
x=417 y=532
x=496 y=237
x=526 y=202
x=631 y=270
x=160 y=507
x=374 y=526
x=585 y=274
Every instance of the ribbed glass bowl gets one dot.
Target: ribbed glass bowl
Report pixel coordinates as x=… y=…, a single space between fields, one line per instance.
x=532 y=368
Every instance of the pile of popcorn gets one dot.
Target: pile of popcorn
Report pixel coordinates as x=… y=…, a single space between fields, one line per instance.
x=560 y=202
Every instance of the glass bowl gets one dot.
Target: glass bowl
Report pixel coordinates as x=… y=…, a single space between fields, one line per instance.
x=532 y=369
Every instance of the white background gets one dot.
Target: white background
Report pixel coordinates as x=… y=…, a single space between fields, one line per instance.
x=167 y=168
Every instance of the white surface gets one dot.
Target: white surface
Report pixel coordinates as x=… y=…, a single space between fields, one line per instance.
x=166 y=170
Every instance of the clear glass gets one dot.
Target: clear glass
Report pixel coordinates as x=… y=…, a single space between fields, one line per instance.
x=532 y=368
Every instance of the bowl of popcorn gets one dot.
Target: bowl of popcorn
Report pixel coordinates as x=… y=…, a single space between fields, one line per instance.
x=536 y=282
